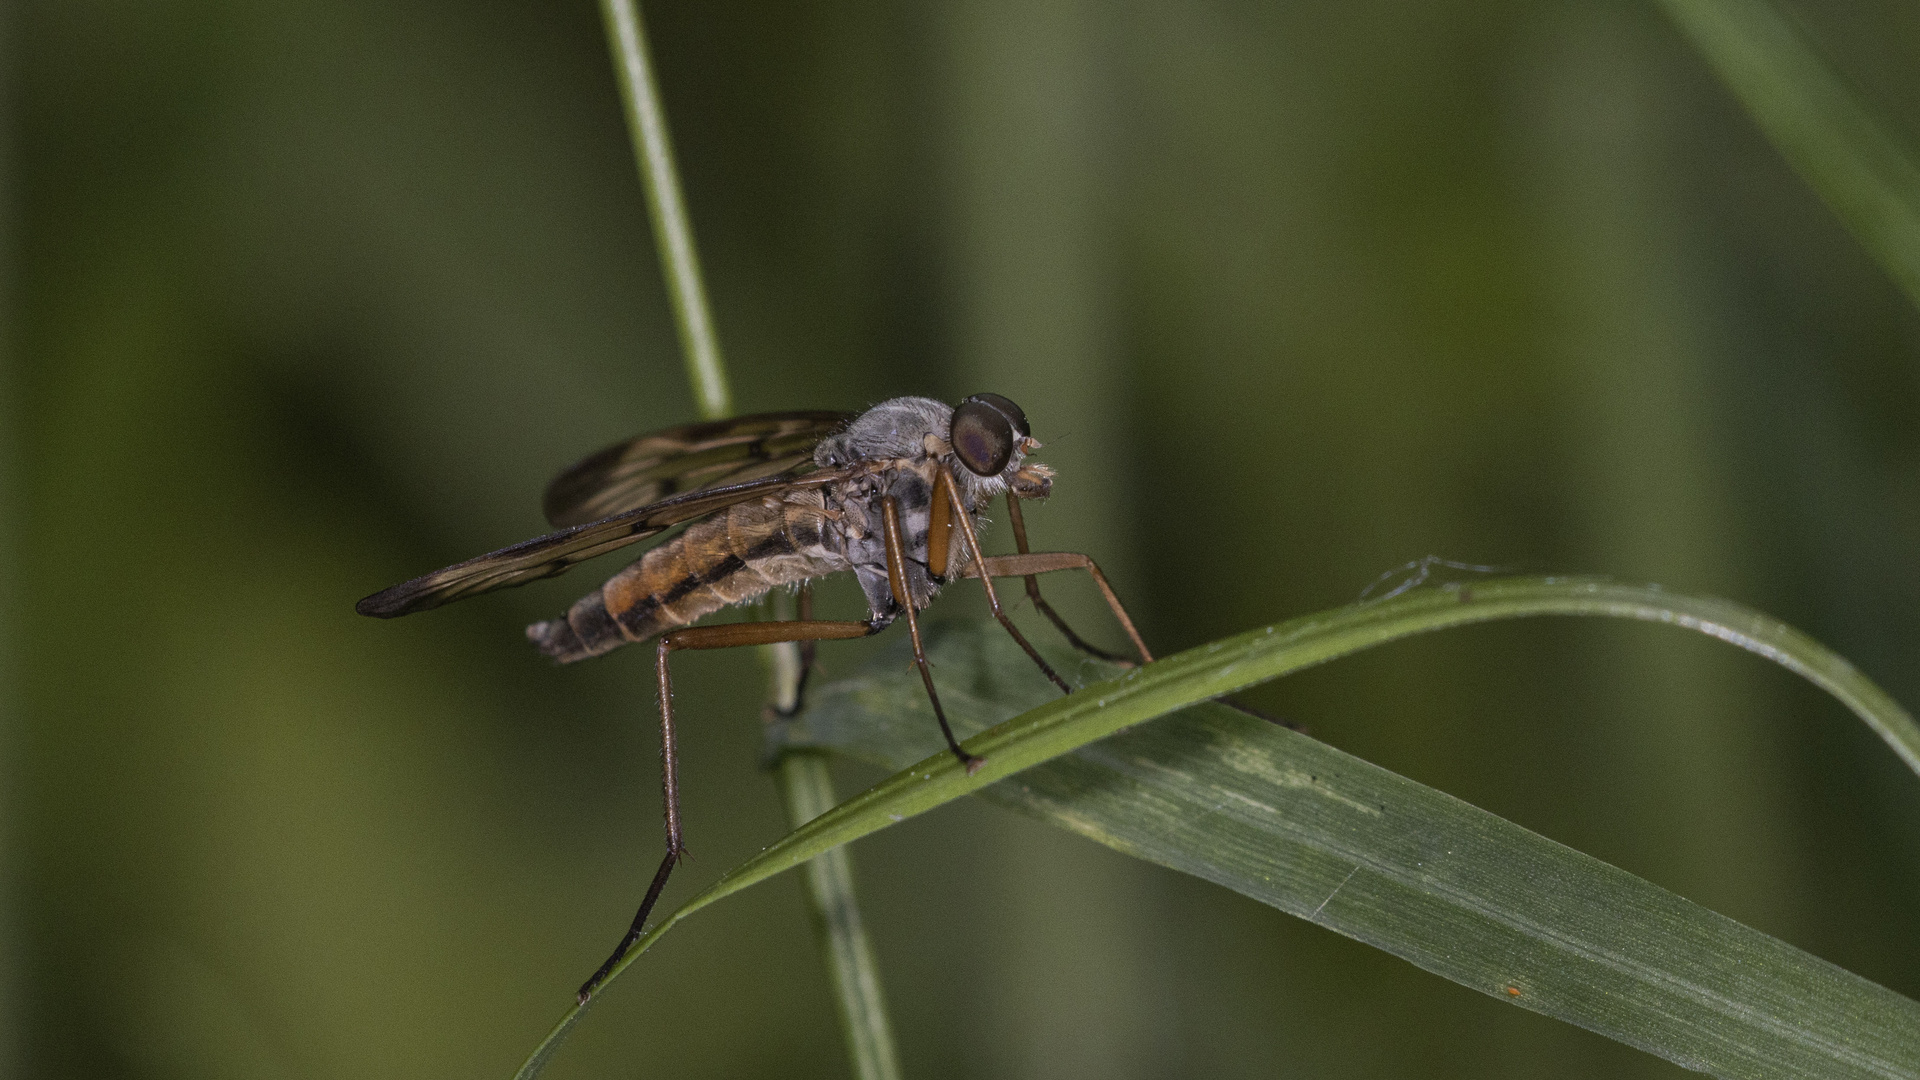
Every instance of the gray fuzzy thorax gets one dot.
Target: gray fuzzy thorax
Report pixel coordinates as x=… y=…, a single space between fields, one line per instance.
x=910 y=428
x=892 y=429
x=906 y=440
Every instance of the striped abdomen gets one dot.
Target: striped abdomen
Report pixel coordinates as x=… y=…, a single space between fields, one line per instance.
x=729 y=558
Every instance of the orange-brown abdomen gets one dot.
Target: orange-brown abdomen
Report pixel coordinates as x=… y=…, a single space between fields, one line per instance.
x=727 y=559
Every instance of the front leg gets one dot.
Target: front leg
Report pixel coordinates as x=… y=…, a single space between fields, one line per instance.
x=1031 y=563
x=1019 y=523
x=943 y=483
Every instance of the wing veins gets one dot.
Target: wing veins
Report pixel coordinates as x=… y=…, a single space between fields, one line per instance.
x=557 y=552
x=692 y=457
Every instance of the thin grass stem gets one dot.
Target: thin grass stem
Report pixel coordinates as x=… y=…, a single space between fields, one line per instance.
x=1828 y=131
x=667 y=209
x=806 y=787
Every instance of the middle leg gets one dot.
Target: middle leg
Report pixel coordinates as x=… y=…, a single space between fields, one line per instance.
x=897 y=581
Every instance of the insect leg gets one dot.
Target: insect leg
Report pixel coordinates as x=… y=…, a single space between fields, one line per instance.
x=670 y=796
x=897 y=579
x=940 y=524
x=965 y=521
x=1033 y=593
x=1029 y=564
x=700 y=637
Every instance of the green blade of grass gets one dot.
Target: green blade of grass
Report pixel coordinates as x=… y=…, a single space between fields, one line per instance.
x=1469 y=896
x=1828 y=132
x=1316 y=832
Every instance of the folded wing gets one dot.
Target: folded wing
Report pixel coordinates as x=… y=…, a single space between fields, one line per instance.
x=690 y=458
x=556 y=553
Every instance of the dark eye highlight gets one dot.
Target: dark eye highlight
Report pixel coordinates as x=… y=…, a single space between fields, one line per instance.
x=985 y=428
x=1007 y=409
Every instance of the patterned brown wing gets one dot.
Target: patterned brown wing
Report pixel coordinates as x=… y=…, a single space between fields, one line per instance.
x=689 y=458
x=556 y=553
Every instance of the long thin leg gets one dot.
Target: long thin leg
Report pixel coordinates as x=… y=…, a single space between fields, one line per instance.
x=699 y=637
x=897 y=580
x=1028 y=564
x=1033 y=590
x=1046 y=562
x=965 y=521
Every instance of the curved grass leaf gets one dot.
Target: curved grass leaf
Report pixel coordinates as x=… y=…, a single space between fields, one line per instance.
x=1306 y=828
x=1831 y=135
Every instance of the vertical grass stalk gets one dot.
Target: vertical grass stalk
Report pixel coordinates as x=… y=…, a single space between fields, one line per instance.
x=806 y=787
x=672 y=227
x=808 y=790
x=1851 y=156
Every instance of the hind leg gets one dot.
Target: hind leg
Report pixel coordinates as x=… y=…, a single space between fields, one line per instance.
x=700 y=637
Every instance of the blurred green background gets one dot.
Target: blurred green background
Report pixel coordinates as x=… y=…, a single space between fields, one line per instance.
x=307 y=298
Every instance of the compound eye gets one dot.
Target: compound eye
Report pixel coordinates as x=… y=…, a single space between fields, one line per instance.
x=1007 y=409
x=983 y=436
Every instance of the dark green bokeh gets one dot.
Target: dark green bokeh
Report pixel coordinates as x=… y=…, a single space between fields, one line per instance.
x=312 y=297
